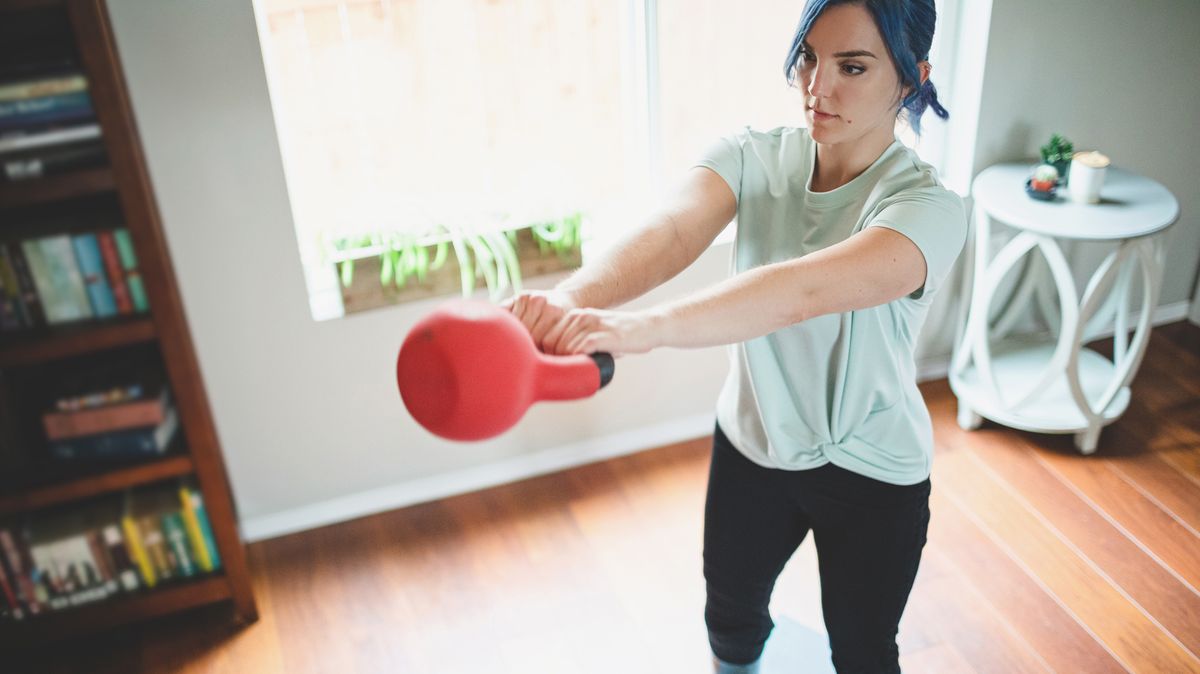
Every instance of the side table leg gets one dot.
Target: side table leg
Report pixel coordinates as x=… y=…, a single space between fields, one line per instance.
x=1087 y=440
x=968 y=420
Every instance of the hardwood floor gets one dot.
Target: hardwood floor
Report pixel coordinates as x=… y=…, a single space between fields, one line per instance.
x=1038 y=560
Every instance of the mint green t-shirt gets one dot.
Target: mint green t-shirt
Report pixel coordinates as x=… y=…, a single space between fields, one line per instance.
x=838 y=388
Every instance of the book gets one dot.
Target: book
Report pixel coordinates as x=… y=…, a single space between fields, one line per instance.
x=194 y=502
x=25 y=139
x=43 y=86
x=95 y=280
x=129 y=262
x=10 y=312
x=8 y=595
x=115 y=272
x=123 y=564
x=21 y=566
x=56 y=160
x=61 y=108
x=123 y=444
x=133 y=539
x=143 y=413
x=109 y=396
x=29 y=297
x=195 y=535
x=57 y=278
x=12 y=288
x=173 y=528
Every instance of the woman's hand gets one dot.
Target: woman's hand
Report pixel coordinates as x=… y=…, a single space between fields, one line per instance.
x=615 y=332
x=539 y=311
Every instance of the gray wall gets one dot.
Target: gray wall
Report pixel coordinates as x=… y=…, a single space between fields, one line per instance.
x=1112 y=75
x=307 y=412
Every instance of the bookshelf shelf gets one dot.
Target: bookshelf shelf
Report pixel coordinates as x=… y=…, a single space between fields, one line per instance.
x=81 y=488
x=56 y=188
x=39 y=346
x=116 y=612
x=18 y=5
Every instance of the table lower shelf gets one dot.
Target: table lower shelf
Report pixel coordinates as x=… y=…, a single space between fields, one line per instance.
x=1016 y=366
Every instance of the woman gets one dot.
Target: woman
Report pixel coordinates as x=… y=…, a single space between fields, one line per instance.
x=844 y=236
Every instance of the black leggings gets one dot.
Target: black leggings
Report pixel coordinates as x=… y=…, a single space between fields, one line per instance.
x=869 y=535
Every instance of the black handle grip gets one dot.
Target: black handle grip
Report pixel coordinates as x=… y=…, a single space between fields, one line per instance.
x=607 y=365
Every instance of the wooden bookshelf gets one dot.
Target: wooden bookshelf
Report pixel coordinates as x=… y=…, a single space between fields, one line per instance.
x=82 y=29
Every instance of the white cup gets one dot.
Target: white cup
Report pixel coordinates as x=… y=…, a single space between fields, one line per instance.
x=1087 y=177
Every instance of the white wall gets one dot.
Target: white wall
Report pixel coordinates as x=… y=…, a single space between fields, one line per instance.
x=308 y=415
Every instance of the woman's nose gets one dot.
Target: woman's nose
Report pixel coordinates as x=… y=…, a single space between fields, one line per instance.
x=818 y=83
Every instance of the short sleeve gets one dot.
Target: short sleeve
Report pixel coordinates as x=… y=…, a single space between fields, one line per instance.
x=724 y=157
x=934 y=219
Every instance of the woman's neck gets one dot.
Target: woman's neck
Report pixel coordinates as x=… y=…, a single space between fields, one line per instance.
x=840 y=163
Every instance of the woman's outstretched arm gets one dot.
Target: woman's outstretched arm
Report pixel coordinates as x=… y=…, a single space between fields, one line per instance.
x=873 y=267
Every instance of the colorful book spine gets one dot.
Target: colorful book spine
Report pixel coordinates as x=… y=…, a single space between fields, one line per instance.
x=210 y=541
x=21 y=567
x=46 y=86
x=61 y=108
x=123 y=564
x=196 y=537
x=12 y=288
x=116 y=273
x=173 y=529
x=133 y=277
x=133 y=540
x=91 y=267
x=29 y=297
x=57 y=277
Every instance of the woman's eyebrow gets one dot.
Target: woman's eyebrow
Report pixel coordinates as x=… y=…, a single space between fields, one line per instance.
x=845 y=54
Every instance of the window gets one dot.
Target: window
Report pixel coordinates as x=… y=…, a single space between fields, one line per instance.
x=396 y=115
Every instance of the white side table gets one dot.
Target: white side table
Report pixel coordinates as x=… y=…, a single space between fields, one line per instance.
x=1048 y=384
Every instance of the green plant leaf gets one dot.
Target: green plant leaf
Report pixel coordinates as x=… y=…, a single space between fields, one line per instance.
x=347 y=273
x=387 y=267
x=439 y=257
x=465 y=268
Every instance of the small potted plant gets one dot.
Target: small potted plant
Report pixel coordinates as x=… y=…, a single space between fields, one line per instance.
x=1057 y=153
x=1042 y=184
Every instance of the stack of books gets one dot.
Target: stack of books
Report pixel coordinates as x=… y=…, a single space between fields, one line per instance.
x=65 y=278
x=47 y=126
x=118 y=423
x=99 y=550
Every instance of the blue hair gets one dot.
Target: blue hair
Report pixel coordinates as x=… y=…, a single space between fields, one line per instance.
x=907 y=30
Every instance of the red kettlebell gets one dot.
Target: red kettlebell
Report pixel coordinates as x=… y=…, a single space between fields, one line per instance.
x=469 y=370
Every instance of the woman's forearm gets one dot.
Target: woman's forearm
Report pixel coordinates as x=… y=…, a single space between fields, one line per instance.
x=663 y=246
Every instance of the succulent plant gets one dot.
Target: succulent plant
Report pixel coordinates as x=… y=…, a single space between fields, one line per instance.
x=1058 y=150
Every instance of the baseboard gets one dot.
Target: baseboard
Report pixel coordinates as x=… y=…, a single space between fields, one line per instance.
x=938 y=367
x=477 y=477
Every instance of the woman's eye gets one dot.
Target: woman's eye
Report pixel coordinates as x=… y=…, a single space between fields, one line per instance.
x=850 y=70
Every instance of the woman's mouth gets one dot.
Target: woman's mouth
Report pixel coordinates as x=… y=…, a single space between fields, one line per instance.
x=821 y=116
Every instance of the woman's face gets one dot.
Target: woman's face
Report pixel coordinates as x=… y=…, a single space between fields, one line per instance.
x=846 y=71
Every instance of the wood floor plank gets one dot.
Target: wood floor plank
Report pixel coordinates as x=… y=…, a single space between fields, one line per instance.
x=1049 y=629
x=940 y=659
x=957 y=614
x=1172 y=542
x=1170 y=601
x=1134 y=638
